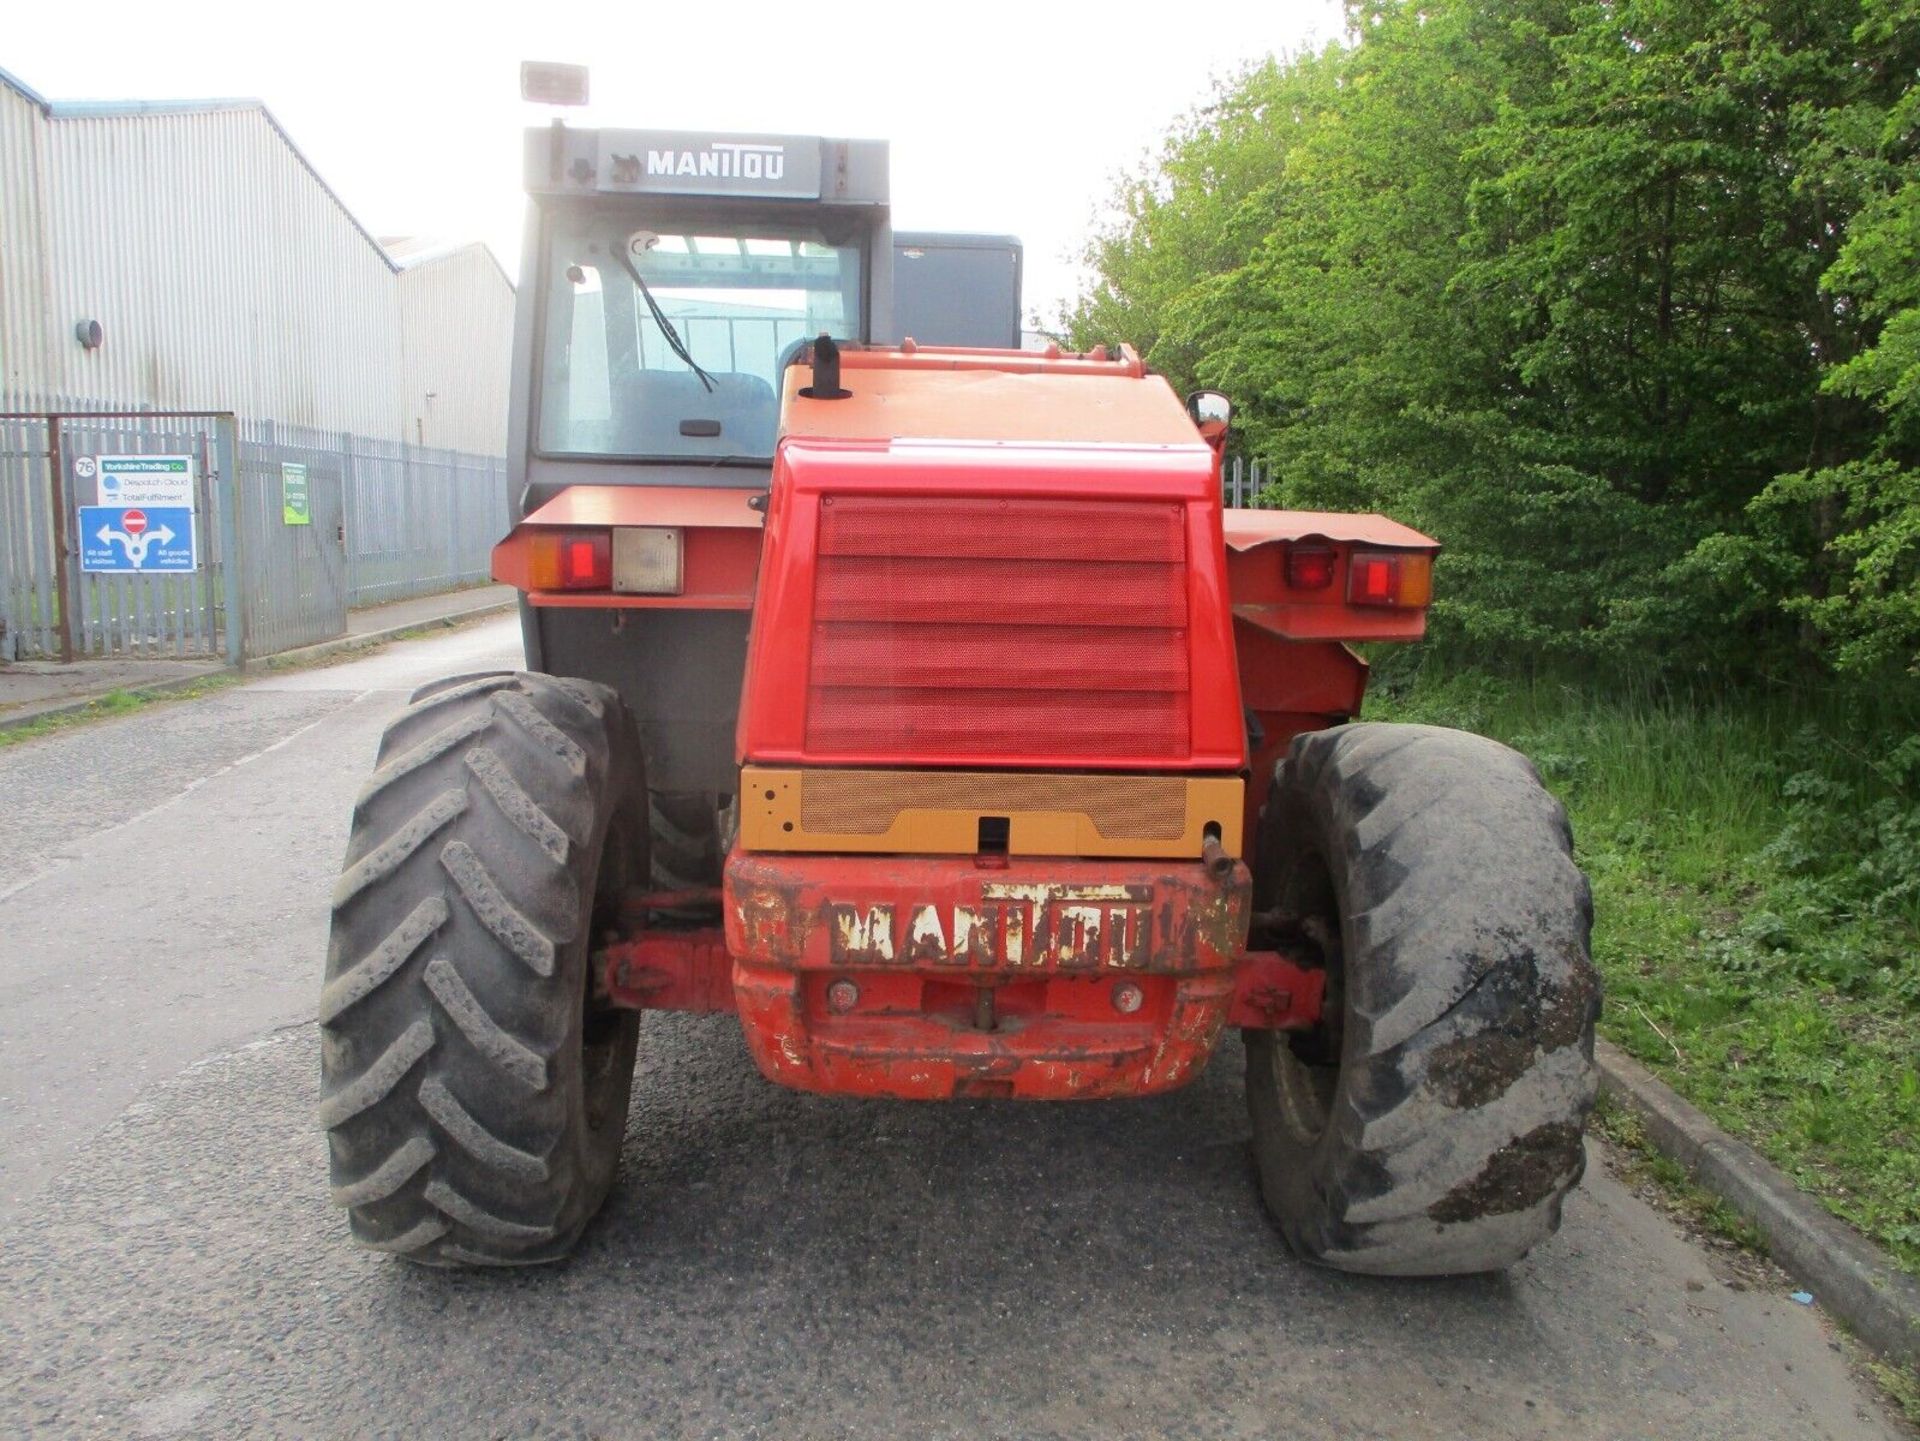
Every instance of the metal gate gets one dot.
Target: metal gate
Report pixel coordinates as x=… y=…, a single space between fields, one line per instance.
x=293 y=526
x=294 y=573
x=1243 y=482
x=51 y=606
x=30 y=607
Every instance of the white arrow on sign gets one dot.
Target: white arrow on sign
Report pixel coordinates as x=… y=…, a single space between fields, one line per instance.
x=136 y=545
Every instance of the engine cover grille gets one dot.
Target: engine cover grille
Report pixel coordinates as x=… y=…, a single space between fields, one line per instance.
x=950 y=627
x=870 y=802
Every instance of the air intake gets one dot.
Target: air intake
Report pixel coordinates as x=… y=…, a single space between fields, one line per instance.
x=970 y=628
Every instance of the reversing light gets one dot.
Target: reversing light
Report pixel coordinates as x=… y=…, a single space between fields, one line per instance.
x=1389 y=577
x=648 y=559
x=570 y=560
x=1310 y=567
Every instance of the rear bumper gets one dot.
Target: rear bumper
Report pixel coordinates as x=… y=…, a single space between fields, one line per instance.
x=933 y=977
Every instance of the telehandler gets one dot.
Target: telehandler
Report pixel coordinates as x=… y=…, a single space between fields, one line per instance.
x=923 y=707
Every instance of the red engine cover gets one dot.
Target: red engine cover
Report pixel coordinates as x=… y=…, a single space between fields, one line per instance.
x=992 y=605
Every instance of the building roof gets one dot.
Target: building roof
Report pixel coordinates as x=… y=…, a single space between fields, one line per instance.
x=170 y=109
x=15 y=83
x=411 y=250
x=408 y=252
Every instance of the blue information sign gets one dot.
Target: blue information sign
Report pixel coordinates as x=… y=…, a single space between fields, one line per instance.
x=137 y=539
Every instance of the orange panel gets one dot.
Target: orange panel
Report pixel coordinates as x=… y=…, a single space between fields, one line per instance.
x=991 y=404
x=683 y=505
x=720 y=561
x=939 y=812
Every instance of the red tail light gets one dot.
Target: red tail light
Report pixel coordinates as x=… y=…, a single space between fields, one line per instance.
x=1310 y=567
x=570 y=560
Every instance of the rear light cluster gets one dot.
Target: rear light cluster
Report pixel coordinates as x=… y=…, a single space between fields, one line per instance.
x=570 y=560
x=1389 y=577
x=946 y=628
x=1310 y=567
x=1374 y=577
x=631 y=560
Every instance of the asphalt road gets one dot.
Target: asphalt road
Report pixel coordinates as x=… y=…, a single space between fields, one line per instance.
x=769 y=1265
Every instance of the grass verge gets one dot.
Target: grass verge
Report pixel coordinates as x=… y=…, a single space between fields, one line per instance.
x=1640 y=1162
x=1902 y=1387
x=114 y=703
x=351 y=648
x=1756 y=875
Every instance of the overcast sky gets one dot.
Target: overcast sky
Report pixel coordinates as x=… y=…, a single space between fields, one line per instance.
x=1006 y=117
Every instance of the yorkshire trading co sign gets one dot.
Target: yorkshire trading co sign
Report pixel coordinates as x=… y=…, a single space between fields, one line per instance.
x=143 y=523
x=675 y=163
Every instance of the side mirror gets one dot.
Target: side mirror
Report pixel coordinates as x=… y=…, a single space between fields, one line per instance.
x=1212 y=414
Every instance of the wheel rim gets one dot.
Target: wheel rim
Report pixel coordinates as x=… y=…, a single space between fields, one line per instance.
x=600 y=1040
x=1306 y=1064
x=603 y=1026
x=1305 y=1093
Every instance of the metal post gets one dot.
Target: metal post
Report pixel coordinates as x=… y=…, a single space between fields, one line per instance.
x=452 y=513
x=226 y=491
x=349 y=520
x=57 y=494
x=206 y=502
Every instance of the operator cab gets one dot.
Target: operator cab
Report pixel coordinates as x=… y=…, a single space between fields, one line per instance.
x=667 y=346
x=669 y=277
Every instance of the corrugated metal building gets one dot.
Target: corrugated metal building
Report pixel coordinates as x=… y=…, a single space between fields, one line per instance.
x=225 y=275
x=453 y=296
x=24 y=348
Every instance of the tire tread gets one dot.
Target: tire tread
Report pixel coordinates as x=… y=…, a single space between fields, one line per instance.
x=452 y=1079
x=1467 y=1071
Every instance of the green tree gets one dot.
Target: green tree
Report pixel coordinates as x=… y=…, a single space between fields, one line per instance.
x=1615 y=298
x=1859 y=503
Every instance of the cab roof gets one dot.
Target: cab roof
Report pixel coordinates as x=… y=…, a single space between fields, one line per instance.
x=935 y=393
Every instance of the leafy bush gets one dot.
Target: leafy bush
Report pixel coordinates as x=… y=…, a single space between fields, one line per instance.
x=1619 y=300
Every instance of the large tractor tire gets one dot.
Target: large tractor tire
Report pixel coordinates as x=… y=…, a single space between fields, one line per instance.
x=1435 y=1122
x=686 y=847
x=474 y=1091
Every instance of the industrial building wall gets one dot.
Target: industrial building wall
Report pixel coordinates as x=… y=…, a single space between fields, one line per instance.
x=24 y=322
x=456 y=330
x=224 y=274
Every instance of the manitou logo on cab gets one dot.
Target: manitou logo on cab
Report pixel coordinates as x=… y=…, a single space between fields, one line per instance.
x=727 y=159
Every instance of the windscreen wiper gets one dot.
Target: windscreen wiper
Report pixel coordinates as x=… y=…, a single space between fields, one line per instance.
x=674 y=342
